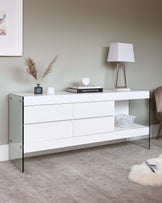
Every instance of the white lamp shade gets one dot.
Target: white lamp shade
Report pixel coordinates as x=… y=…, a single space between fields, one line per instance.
x=121 y=52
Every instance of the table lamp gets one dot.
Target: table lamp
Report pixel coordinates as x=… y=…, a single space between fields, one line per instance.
x=121 y=53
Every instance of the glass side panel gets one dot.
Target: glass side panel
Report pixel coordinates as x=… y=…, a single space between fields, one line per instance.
x=141 y=109
x=16 y=132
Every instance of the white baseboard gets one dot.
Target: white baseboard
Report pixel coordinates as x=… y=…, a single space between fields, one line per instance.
x=4 y=156
x=4 y=149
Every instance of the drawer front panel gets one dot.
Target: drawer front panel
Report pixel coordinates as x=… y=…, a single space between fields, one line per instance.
x=35 y=133
x=93 y=109
x=93 y=126
x=47 y=113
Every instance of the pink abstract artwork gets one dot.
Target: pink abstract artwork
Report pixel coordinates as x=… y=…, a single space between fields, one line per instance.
x=2 y=23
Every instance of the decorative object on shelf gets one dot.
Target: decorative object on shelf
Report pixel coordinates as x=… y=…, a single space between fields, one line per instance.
x=32 y=70
x=51 y=90
x=124 y=120
x=147 y=173
x=121 y=53
x=11 y=27
x=85 y=89
x=38 y=89
x=85 y=81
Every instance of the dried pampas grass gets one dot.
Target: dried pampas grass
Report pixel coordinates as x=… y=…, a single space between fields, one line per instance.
x=49 y=68
x=32 y=69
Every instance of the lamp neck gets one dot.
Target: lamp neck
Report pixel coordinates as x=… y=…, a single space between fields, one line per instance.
x=121 y=63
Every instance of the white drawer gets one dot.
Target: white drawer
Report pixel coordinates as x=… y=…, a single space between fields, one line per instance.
x=46 y=113
x=93 y=109
x=42 y=132
x=93 y=126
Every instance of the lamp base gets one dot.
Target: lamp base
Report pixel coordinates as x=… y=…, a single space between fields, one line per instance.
x=121 y=89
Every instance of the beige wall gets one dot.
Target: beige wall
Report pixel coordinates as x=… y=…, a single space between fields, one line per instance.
x=81 y=31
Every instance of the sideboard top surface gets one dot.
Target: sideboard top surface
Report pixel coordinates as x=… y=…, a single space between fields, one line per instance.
x=66 y=97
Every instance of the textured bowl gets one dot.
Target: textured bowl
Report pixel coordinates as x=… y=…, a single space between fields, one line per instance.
x=124 y=120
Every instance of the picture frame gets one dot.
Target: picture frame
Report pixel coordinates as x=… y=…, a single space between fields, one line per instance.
x=11 y=27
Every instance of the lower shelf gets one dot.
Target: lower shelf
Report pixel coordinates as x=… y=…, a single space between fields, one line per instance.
x=134 y=131
x=119 y=133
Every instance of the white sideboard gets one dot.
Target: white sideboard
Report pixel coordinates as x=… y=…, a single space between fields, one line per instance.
x=45 y=122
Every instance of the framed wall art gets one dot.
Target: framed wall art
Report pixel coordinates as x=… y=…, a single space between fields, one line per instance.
x=11 y=27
